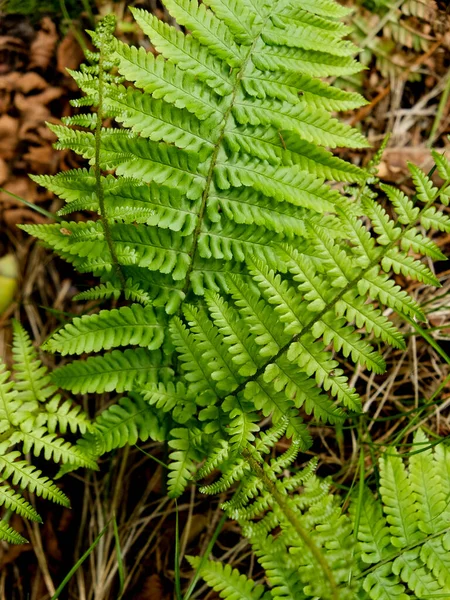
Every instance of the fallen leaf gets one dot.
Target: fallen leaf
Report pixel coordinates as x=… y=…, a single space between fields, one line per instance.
x=69 y=54
x=34 y=112
x=22 y=187
x=13 y=52
x=18 y=216
x=9 y=128
x=41 y=159
x=395 y=161
x=29 y=82
x=4 y=171
x=8 y=84
x=43 y=47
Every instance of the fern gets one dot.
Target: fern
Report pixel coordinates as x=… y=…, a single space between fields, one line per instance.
x=296 y=526
x=411 y=539
x=32 y=415
x=229 y=582
x=250 y=280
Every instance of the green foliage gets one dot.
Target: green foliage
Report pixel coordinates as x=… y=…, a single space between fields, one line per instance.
x=32 y=417
x=245 y=280
x=249 y=279
x=39 y=7
x=382 y=550
x=229 y=582
x=411 y=540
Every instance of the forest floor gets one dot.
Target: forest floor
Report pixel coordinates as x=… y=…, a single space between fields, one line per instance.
x=407 y=83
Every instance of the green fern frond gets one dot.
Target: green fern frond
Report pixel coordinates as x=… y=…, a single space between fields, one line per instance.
x=376 y=568
x=409 y=543
x=120 y=371
x=229 y=582
x=31 y=377
x=129 y=325
x=32 y=417
x=127 y=422
x=8 y=534
x=12 y=500
x=28 y=477
x=220 y=224
x=182 y=464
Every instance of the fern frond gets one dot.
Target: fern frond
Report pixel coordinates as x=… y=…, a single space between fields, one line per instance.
x=8 y=534
x=28 y=477
x=182 y=461
x=126 y=422
x=399 y=504
x=32 y=415
x=431 y=502
x=234 y=334
x=64 y=415
x=229 y=582
x=120 y=371
x=31 y=377
x=382 y=584
x=52 y=447
x=164 y=81
x=12 y=500
x=221 y=189
x=186 y=52
x=129 y=325
x=373 y=532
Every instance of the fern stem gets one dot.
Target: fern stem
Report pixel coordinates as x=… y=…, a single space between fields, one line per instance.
x=293 y=520
x=97 y=170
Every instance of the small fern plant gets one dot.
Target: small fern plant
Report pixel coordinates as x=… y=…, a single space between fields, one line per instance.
x=32 y=418
x=393 y=547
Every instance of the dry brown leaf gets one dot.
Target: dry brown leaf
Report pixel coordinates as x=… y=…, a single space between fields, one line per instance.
x=8 y=81
x=41 y=159
x=152 y=589
x=22 y=187
x=29 y=82
x=34 y=112
x=8 y=84
x=9 y=128
x=69 y=54
x=4 y=171
x=17 y=216
x=13 y=51
x=43 y=46
x=395 y=161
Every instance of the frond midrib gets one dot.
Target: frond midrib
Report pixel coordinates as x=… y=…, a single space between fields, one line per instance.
x=215 y=154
